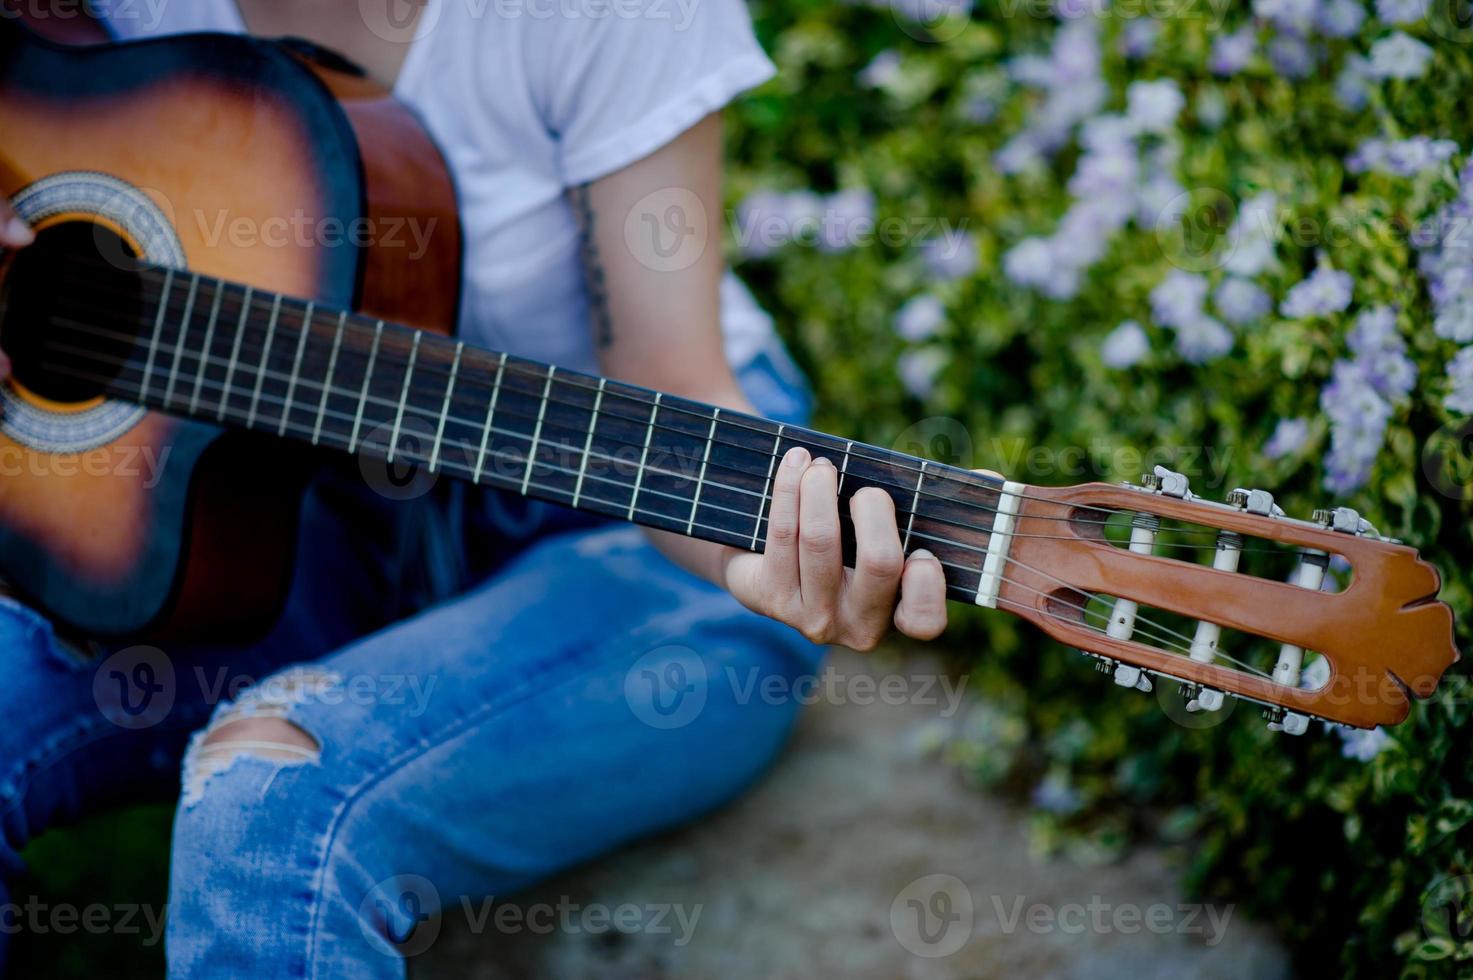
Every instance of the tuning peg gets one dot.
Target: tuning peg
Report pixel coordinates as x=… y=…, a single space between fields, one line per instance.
x=1201 y=698
x=1259 y=502
x=1168 y=483
x=1288 y=722
x=1127 y=675
x=1346 y=520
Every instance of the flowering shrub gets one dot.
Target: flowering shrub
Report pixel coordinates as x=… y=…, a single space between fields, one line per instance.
x=1074 y=241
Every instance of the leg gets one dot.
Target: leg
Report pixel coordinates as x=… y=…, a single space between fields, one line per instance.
x=590 y=693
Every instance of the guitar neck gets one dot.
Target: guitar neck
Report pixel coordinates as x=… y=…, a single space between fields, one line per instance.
x=229 y=354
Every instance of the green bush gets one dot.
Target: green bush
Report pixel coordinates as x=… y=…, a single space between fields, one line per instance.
x=1353 y=847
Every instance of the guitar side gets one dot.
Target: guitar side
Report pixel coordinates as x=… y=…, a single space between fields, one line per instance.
x=169 y=528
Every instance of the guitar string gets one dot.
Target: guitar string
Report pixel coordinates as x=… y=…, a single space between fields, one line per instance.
x=1145 y=625
x=267 y=303
x=571 y=449
x=204 y=359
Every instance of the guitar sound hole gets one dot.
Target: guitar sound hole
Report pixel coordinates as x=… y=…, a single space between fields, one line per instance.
x=70 y=311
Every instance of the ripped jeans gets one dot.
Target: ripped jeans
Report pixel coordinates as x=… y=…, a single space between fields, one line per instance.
x=481 y=691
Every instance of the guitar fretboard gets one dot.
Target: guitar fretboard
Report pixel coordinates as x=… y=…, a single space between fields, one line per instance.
x=229 y=354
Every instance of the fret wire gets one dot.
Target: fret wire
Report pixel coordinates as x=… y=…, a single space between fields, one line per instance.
x=644 y=454
x=158 y=323
x=332 y=364
x=179 y=347
x=403 y=396
x=844 y=469
x=245 y=305
x=490 y=414
x=205 y=357
x=537 y=429
x=588 y=443
x=378 y=333
x=695 y=502
x=445 y=405
x=265 y=361
x=915 y=502
x=767 y=487
x=291 y=384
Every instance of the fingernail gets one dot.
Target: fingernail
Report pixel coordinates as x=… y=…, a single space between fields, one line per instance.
x=924 y=554
x=822 y=461
x=797 y=456
x=19 y=232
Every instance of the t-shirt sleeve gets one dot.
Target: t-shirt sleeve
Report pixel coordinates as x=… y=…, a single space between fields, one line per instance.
x=615 y=87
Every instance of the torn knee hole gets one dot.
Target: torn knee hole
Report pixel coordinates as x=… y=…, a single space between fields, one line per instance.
x=266 y=737
x=234 y=737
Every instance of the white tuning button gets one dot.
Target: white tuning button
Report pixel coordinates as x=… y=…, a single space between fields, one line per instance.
x=1229 y=552
x=1309 y=575
x=1288 y=722
x=1259 y=502
x=1172 y=483
x=1129 y=676
x=1143 y=530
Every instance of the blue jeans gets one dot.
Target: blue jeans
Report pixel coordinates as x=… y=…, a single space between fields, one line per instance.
x=497 y=689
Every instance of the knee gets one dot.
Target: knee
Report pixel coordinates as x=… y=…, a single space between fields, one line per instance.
x=255 y=728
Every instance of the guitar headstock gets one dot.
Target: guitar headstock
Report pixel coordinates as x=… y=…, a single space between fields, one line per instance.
x=1159 y=583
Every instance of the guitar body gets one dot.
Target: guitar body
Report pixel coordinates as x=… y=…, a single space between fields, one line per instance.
x=235 y=158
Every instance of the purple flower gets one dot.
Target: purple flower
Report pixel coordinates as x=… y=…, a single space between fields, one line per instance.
x=1361 y=744
x=1399 y=56
x=1351 y=87
x=1203 y=339
x=1125 y=347
x=768 y=220
x=1241 y=300
x=1021 y=153
x=1232 y=52
x=1289 y=437
x=1292 y=15
x=1340 y=18
x=1402 y=11
x=1177 y=300
x=1380 y=353
x=1029 y=263
x=1112 y=170
x=1358 y=418
x=1152 y=107
x=1138 y=37
x=1325 y=291
x=1054 y=795
x=1251 y=237
x=918 y=370
x=951 y=256
x=848 y=216
x=920 y=317
x=1401 y=158
x=1460 y=373
x=1291 y=56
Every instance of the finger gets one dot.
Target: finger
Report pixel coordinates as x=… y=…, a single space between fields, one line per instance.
x=780 y=555
x=820 y=549
x=14 y=233
x=922 y=610
x=869 y=598
x=992 y=473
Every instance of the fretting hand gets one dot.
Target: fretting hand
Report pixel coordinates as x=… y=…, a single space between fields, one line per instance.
x=800 y=578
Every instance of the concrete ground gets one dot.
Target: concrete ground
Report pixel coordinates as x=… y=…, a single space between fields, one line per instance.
x=862 y=855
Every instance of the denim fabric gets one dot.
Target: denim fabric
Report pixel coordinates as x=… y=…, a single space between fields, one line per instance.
x=497 y=689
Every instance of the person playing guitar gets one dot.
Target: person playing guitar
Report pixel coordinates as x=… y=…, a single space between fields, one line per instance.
x=467 y=691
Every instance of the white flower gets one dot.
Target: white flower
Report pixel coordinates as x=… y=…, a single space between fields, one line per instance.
x=920 y=318
x=1399 y=56
x=1126 y=345
x=882 y=71
x=1402 y=11
x=918 y=370
x=1361 y=744
x=1153 y=106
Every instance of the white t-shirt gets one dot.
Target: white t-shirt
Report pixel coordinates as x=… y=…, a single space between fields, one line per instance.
x=526 y=99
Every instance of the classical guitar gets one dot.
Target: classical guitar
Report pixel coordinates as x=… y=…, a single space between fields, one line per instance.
x=132 y=333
